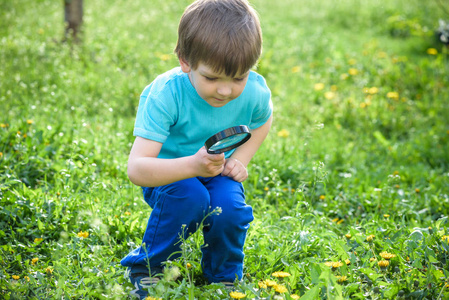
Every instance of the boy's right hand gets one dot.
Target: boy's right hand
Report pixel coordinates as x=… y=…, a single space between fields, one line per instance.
x=208 y=165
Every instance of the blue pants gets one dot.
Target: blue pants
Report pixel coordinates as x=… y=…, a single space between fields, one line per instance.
x=185 y=204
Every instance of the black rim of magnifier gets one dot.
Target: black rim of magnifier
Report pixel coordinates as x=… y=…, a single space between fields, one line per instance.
x=241 y=129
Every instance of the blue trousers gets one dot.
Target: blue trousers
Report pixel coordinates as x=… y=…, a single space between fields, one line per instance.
x=179 y=208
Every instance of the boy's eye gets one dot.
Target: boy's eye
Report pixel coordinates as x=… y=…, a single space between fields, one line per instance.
x=239 y=79
x=210 y=78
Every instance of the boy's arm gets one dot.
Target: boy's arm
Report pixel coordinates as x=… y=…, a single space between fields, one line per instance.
x=145 y=169
x=235 y=166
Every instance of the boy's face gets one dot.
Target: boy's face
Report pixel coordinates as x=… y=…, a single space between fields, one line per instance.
x=216 y=89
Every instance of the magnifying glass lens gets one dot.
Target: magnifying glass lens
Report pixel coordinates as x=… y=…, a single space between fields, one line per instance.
x=227 y=139
x=227 y=142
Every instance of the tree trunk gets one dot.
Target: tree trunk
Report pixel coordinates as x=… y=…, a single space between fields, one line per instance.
x=73 y=18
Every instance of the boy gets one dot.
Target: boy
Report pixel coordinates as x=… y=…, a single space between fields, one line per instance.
x=219 y=41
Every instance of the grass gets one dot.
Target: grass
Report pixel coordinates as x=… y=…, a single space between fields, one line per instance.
x=356 y=164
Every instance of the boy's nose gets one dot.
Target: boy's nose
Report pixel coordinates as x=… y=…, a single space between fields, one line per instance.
x=224 y=90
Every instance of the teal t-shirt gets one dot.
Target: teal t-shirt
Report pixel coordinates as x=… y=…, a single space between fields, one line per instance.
x=171 y=112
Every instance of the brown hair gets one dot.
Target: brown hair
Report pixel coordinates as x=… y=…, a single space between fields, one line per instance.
x=223 y=34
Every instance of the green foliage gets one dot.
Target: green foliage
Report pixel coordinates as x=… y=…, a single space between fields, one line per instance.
x=355 y=168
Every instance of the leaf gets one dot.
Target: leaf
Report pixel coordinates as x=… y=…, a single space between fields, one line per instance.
x=312 y=294
x=371 y=274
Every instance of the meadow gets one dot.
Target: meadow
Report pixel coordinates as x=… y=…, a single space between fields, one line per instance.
x=350 y=190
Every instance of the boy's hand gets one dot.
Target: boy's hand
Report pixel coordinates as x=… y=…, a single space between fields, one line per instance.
x=209 y=165
x=235 y=169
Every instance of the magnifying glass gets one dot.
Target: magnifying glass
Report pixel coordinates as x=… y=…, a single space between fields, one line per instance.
x=227 y=139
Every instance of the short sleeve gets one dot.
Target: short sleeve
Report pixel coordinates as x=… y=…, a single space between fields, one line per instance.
x=155 y=115
x=264 y=108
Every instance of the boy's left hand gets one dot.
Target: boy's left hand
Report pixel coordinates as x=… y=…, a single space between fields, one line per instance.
x=235 y=169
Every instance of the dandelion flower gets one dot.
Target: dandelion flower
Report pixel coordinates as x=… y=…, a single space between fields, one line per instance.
x=296 y=69
x=269 y=282
x=370 y=238
x=337 y=264
x=34 y=260
x=49 y=270
x=347 y=261
x=335 y=220
x=15 y=277
x=27 y=278
x=266 y=188
x=432 y=51
x=262 y=284
x=341 y=221
x=386 y=215
x=281 y=274
x=393 y=95
x=83 y=234
x=29 y=122
x=322 y=197
x=318 y=86
x=1 y=154
x=383 y=263
x=3 y=125
x=152 y=298
x=417 y=190
x=127 y=213
x=341 y=279
x=294 y=296
x=353 y=71
x=372 y=259
x=373 y=90
x=329 y=95
x=348 y=236
x=386 y=255
x=237 y=295
x=280 y=288
x=283 y=133
x=445 y=238
x=37 y=240
x=189 y=265
x=164 y=57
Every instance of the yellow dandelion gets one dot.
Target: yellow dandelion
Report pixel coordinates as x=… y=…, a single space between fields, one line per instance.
x=29 y=122
x=280 y=288
x=334 y=88
x=386 y=215
x=294 y=296
x=432 y=51
x=296 y=69
x=1 y=154
x=127 y=213
x=15 y=277
x=393 y=95
x=353 y=71
x=383 y=263
x=283 y=133
x=269 y=282
x=318 y=86
x=189 y=265
x=27 y=278
x=266 y=188
x=348 y=236
x=237 y=295
x=34 y=260
x=262 y=284
x=347 y=261
x=335 y=220
x=373 y=90
x=386 y=255
x=329 y=95
x=49 y=270
x=341 y=221
x=341 y=279
x=397 y=186
x=363 y=105
x=337 y=264
x=417 y=190
x=165 y=57
x=37 y=240
x=281 y=274
x=322 y=197
x=370 y=238
x=372 y=259
x=445 y=238
x=344 y=76
x=152 y=298
x=83 y=234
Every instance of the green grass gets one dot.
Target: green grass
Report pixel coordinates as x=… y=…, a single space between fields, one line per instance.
x=351 y=162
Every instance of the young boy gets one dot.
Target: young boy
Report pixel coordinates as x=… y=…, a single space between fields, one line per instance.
x=219 y=41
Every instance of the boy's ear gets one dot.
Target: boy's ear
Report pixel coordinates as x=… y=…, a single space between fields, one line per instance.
x=185 y=67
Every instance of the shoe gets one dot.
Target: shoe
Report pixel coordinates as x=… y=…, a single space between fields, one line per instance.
x=141 y=281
